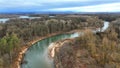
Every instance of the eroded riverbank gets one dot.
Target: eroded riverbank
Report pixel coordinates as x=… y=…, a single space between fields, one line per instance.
x=24 y=49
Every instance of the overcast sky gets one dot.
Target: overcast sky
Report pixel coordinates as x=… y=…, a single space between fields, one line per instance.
x=60 y=5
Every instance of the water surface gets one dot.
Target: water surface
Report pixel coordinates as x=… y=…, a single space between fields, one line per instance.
x=28 y=17
x=3 y=20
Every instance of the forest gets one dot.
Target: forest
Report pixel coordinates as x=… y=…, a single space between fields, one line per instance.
x=16 y=33
x=99 y=50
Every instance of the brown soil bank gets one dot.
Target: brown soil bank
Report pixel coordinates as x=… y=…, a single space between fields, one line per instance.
x=18 y=60
x=101 y=50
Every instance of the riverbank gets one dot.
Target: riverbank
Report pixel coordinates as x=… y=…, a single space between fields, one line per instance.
x=54 y=47
x=25 y=48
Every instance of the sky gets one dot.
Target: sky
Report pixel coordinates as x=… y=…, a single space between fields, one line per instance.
x=59 y=5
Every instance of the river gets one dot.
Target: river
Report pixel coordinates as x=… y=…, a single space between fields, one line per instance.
x=4 y=20
x=37 y=57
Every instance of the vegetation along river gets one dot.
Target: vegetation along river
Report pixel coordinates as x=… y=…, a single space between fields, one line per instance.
x=37 y=57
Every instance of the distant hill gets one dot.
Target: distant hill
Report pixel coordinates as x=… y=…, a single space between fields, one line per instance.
x=59 y=12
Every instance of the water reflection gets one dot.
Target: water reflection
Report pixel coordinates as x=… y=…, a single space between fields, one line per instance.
x=3 y=20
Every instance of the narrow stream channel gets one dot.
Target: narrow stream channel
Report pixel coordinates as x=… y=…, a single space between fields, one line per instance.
x=36 y=56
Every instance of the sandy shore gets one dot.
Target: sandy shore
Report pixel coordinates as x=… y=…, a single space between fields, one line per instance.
x=55 y=46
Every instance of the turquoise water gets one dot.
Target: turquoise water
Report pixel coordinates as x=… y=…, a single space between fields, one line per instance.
x=37 y=57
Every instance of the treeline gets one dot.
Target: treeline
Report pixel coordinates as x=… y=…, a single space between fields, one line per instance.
x=9 y=45
x=27 y=29
x=107 y=16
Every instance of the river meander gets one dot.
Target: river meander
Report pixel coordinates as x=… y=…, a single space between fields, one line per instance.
x=37 y=57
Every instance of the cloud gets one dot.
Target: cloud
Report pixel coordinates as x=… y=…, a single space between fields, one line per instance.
x=54 y=5
x=35 y=3
x=17 y=3
x=111 y=7
x=61 y=1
